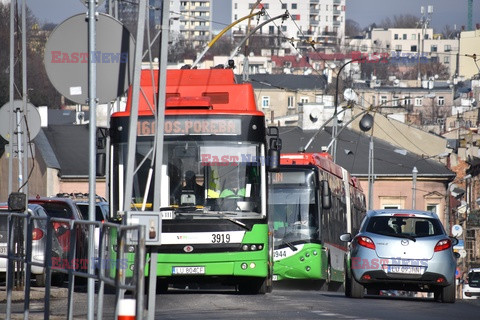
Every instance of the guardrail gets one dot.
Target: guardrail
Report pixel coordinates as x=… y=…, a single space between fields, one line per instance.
x=111 y=256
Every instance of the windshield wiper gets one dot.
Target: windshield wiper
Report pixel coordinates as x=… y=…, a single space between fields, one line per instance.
x=291 y=246
x=398 y=235
x=239 y=223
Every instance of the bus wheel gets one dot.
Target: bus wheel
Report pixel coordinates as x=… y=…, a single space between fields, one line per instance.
x=253 y=286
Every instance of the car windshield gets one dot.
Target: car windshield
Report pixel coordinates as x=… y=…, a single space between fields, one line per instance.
x=474 y=278
x=406 y=226
x=58 y=210
x=84 y=210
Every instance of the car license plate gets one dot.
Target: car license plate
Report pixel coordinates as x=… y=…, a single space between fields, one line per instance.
x=3 y=249
x=188 y=270
x=405 y=269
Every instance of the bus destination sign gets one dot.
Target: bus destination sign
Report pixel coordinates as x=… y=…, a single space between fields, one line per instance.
x=188 y=126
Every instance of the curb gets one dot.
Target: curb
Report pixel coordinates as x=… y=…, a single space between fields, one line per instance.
x=36 y=293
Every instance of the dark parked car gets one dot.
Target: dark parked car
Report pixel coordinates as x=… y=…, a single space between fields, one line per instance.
x=39 y=243
x=401 y=250
x=67 y=209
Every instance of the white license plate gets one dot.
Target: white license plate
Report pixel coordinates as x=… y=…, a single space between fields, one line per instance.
x=3 y=249
x=405 y=269
x=188 y=270
x=167 y=215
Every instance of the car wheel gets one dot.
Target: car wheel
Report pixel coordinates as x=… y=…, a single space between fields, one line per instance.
x=448 y=293
x=40 y=279
x=356 y=288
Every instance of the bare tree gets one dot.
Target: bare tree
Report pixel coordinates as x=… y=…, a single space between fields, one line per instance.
x=400 y=21
x=352 y=28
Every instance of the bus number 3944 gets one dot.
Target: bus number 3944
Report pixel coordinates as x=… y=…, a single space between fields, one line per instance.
x=220 y=238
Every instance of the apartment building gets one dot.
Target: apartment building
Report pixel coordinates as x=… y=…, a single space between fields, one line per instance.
x=321 y=21
x=192 y=20
x=410 y=45
x=469 y=45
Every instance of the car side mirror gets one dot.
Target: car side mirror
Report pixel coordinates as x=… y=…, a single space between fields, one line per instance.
x=457 y=255
x=346 y=237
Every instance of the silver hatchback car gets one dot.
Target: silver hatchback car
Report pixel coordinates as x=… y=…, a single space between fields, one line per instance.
x=400 y=250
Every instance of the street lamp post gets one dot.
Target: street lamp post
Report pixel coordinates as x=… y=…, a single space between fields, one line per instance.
x=366 y=123
x=414 y=187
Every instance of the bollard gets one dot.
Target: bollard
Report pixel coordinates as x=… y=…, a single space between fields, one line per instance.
x=126 y=309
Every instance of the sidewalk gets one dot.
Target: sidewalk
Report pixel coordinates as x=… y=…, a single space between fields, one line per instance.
x=36 y=293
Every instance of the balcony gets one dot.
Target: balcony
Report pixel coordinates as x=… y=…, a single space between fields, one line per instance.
x=314 y=1
x=313 y=22
x=314 y=12
x=337 y=1
x=337 y=12
x=336 y=22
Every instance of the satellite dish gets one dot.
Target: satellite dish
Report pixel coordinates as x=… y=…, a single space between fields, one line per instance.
x=67 y=54
x=314 y=115
x=350 y=95
x=31 y=114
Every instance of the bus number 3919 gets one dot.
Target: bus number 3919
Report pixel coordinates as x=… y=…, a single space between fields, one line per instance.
x=220 y=238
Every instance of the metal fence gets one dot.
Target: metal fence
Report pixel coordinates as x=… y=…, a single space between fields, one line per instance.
x=117 y=264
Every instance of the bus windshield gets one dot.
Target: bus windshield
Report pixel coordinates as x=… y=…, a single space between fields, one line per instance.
x=200 y=177
x=295 y=213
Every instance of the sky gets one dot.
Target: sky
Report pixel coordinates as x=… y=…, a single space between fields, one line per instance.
x=364 y=12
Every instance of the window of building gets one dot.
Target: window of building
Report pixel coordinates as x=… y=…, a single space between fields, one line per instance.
x=404 y=36
x=441 y=101
x=446 y=59
x=294 y=6
x=432 y=207
x=271 y=29
x=235 y=6
x=326 y=18
x=290 y=102
x=433 y=48
x=295 y=17
x=396 y=101
x=418 y=102
x=284 y=6
x=304 y=100
x=447 y=48
x=407 y=100
x=413 y=48
x=284 y=28
x=398 y=47
x=383 y=100
x=414 y=36
x=265 y=102
x=363 y=48
x=326 y=7
x=395 y=36
x=373 y=100
x=391 y=206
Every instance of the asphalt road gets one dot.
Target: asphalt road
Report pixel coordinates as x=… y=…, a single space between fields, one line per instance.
x=282 y=303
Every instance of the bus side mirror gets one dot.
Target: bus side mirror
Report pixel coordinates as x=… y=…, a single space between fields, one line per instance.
x=274 y=149
x=326 y=195
x=100 y=164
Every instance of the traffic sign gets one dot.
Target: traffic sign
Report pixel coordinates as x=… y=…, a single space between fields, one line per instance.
x=32 y=117
x=457 y=230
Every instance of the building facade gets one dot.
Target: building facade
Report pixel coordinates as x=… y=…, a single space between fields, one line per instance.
x=313 y=20
x=192 y=20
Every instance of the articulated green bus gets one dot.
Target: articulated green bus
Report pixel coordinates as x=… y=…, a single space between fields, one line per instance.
x=312 y=201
